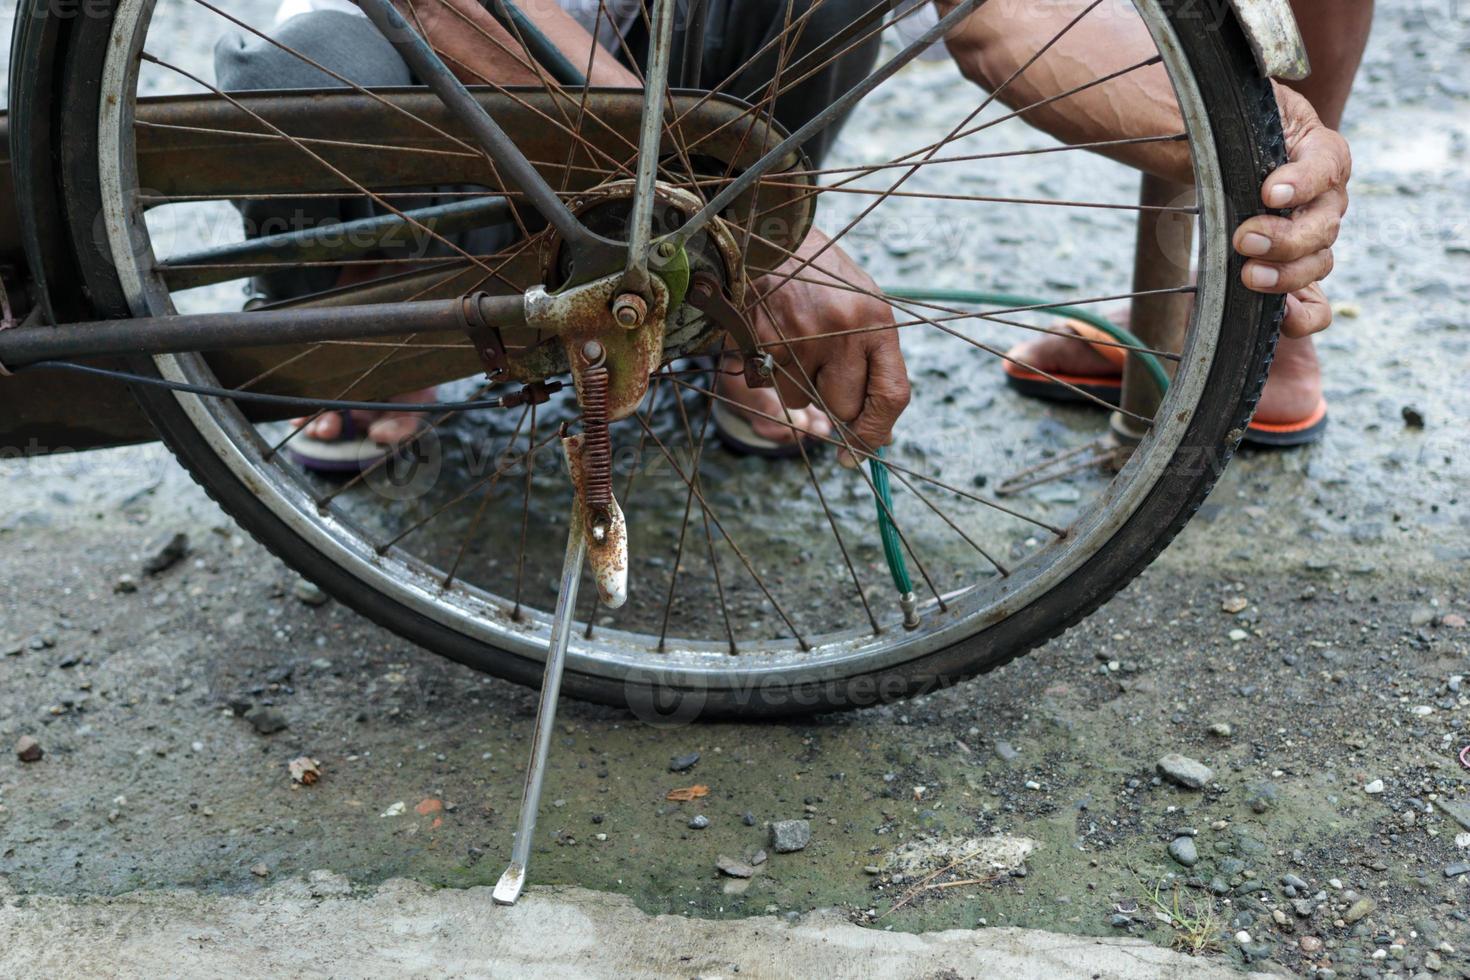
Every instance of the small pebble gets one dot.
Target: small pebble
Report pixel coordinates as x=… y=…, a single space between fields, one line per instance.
x=790 y=835
x=1184 y=851
x=27 y=749
x=308 y=592
x=1185 y=771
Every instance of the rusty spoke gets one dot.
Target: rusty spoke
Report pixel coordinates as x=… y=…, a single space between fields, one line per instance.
x=464 y=545
x=705 y=506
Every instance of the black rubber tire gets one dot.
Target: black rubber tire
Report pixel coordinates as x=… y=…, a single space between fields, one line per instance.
x=1247 y=130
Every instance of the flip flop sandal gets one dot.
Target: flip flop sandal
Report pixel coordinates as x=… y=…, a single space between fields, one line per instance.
x=1109 y=388
x=348 y=453
x=740 y=437
x=1288 y=435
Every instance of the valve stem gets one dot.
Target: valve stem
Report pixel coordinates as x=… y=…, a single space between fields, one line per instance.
x=909 y=603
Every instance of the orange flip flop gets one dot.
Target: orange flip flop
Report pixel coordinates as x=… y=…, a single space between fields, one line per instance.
x=1109 y=388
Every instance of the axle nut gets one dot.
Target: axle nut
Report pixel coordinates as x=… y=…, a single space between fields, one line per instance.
x=629 y=309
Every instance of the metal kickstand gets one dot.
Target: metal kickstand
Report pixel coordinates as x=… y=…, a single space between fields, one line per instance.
x=508 y=888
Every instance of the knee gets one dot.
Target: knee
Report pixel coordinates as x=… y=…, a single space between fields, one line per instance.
x=346 y=44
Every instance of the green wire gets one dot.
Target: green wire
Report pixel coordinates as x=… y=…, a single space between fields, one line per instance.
x=892 y=546
x=1122 y=336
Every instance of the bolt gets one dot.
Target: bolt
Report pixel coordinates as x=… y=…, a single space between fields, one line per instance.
x=629 y=309
x=666 y=249
x=592 y=352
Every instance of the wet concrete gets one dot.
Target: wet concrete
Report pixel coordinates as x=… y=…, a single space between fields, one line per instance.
x=1345 y=570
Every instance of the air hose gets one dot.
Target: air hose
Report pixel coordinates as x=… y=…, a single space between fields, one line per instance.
x=892 y=546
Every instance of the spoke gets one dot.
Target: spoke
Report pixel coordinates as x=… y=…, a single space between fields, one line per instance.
x=765 y=104
x=824 y=50
x=824 y=119
x=980 y=199
x=310 y=140
x=382 y=548
x=822 y=497
x=852 y=437
x=329 y=72
x=433 y=426
x=985 y=103
x=867 y=455
x=704 y=505
x=1096 y=146
x=972 y=315
x=416 y=50
x=952 y=313
x=530 y=462
x=464 y=545
x=151 y=199
x=1070 y=386
x=377 y=198
x=1047 y=470
x=593 y=49
x=696 y=452
x=1015 y=114
x=278 y=366
x=872 y=487
x=342 y=394
x=549 y=84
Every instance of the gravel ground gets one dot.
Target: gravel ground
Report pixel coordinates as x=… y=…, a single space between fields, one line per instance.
x=1304 y=641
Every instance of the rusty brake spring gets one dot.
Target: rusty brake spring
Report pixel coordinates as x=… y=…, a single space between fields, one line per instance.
x=597 y=449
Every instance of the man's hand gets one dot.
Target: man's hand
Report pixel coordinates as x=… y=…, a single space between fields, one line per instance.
x=860 y=378
x=1291 y=255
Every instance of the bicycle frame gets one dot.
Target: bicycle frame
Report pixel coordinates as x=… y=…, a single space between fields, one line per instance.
x=38 y=411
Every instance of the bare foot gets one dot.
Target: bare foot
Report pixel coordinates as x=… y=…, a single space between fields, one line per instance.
x=765 y=400
x=1294 y=386
x=384 y=428
x=1062 y=355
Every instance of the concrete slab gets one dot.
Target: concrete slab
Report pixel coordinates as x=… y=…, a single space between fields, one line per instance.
x=301 y=929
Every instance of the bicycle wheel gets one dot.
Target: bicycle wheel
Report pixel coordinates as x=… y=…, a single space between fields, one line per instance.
x=758 y=587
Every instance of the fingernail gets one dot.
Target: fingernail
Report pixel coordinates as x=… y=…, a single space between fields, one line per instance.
x=1254 y=244
x=846 y=460
x=1263 y=277
x=1281 y=195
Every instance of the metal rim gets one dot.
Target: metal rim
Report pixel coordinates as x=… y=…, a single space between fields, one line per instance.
x=623 y=655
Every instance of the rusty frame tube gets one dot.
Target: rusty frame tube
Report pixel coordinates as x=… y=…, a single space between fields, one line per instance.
x=260 y=328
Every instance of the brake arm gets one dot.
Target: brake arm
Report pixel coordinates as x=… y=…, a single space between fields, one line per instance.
x=707 y=296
